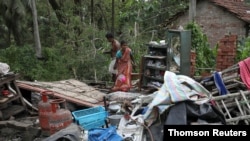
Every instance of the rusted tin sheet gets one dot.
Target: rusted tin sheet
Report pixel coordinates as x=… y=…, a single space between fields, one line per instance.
x=72 y=90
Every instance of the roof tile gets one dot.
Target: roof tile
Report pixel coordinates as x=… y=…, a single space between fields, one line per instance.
x=238 y=7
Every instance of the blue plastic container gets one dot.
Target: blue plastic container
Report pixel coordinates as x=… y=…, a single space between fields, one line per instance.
x=94 y=124
x=91 y=117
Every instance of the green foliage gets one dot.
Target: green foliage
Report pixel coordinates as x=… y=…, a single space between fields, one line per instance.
x=81 y=45
x=23 y=61
x=243 y=49
x=137 y=10
x=149 y=15
x=74 y=49
x=205 y=56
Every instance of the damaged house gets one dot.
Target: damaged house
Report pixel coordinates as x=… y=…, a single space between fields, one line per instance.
x=217 y=18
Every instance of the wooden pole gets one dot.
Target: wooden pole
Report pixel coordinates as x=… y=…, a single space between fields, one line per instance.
x=113 y=17
x=92 y=11
x=192 y=10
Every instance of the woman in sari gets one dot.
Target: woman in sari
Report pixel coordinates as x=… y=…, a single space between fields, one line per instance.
x=124 y=67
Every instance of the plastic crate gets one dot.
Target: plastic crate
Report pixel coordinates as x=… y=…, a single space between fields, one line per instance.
x=95 y=124
x=90 y=115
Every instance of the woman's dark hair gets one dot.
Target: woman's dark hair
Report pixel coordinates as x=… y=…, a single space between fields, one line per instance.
x=123 y=42
x=109 y=35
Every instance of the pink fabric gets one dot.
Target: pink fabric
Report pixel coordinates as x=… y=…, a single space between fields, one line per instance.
x=245 y=71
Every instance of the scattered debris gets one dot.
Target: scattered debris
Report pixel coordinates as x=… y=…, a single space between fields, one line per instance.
x=224 y=97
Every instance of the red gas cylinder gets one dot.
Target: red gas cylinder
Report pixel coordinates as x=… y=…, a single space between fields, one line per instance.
x=44 y=110
x=59 y=118
x=5 y=92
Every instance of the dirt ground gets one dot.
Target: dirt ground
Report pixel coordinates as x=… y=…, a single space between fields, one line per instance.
x=20 y=128
x=24 y=127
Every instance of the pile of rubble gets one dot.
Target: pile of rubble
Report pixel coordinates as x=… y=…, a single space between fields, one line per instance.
x=230 y=92
x=221 y=98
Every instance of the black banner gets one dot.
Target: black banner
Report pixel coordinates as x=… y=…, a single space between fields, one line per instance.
x=206 y=131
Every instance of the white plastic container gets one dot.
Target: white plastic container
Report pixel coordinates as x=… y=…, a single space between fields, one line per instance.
x=131 y=129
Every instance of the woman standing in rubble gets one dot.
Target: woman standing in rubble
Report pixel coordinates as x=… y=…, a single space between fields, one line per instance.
x=124 y=67
x=115 y=46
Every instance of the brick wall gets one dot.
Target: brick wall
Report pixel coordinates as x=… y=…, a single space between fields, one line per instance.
x=226 y=52
x=192 y=61
x=226 y=55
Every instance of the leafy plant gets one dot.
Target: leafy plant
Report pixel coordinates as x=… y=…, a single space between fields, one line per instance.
x=205 y=56
x=243 y=49
x=23 y=61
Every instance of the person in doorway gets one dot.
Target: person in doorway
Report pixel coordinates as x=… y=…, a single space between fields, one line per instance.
x=124 y=67
x=115 y=46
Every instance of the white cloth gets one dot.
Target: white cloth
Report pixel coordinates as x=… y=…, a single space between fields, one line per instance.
x=177 y=88
x=111 y=67
x=4 y=68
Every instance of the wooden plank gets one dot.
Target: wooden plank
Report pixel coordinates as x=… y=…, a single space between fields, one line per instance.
x=71 y=90
x=74 y=95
